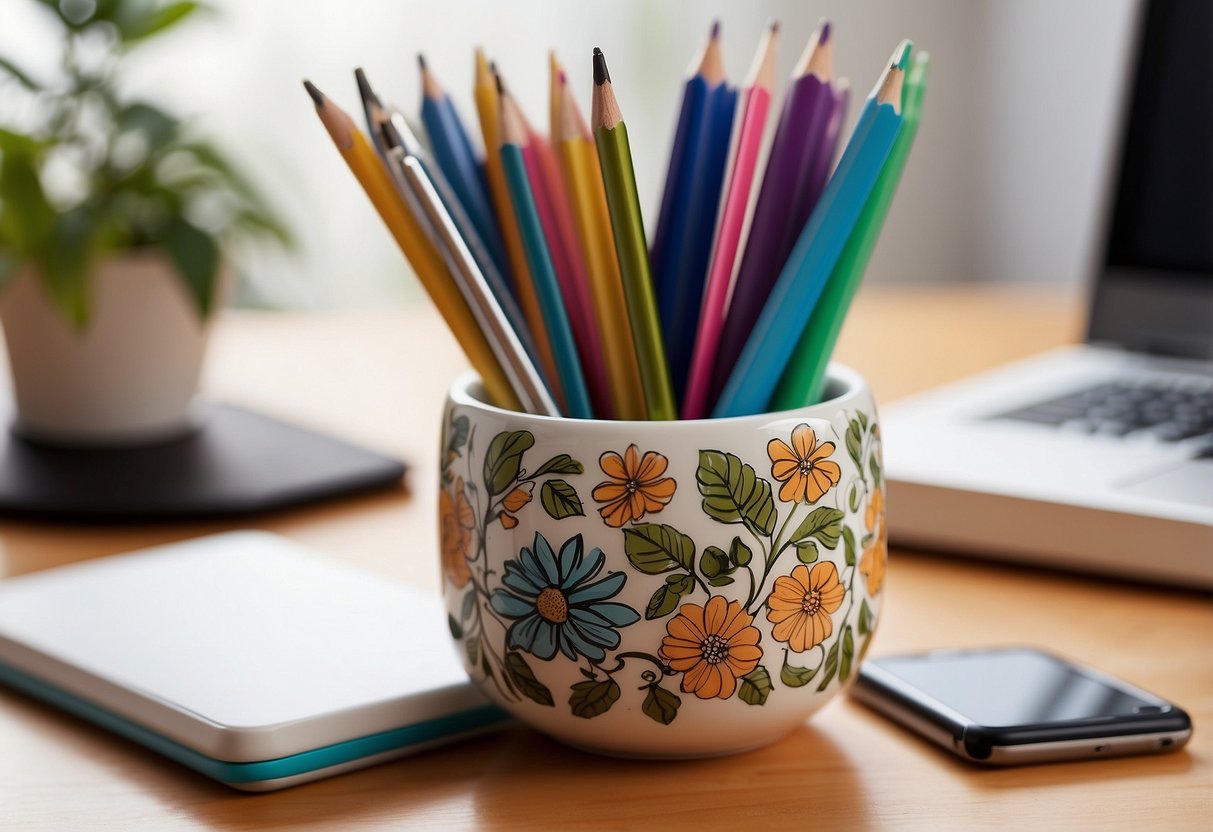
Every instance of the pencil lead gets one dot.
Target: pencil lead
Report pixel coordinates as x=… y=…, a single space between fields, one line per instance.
x=906 y=46
x=500 y=83
x=317 y=95
x=364 y=86
x=601 y=75
x=564 y=79
x=715 y=29
x=774 y=27
x=493 y=68
x=824 y=36
x=421 y=61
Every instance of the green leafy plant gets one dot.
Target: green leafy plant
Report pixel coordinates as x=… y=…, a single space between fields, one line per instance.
x=90 y=173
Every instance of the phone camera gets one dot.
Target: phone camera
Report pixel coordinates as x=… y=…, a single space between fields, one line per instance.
x=1147 y=709
x=1166 y=742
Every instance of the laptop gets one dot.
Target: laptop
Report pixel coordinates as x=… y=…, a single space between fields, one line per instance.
x=1097 y=457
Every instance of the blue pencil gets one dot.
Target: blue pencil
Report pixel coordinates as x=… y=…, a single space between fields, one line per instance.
x=682 y=241
x=456 y=157
x=787 y=310
x=543 y=273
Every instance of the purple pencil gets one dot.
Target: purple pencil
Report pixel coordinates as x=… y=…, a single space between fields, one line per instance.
x=818 y=171
x=783 y=206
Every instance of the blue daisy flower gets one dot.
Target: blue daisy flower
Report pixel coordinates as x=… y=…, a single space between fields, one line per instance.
x=554 y=605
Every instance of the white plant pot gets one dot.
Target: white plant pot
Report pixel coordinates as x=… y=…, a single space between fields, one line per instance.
x=129 y=377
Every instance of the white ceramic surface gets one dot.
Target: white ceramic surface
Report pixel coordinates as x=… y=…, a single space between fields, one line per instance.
x=663 y=589
x=129 y=377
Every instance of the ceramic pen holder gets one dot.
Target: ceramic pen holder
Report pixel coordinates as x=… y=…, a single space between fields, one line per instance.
x=663 y=589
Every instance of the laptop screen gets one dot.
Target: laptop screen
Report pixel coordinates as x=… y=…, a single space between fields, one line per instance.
x=1156 y=287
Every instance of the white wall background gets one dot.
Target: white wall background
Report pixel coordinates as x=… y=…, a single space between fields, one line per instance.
x=1003 y=183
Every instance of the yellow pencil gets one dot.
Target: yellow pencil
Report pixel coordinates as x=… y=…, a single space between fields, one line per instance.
x=583 y=179
x=488 y=107
x=368 y=169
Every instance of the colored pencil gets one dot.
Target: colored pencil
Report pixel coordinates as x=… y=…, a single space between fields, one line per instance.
x=779 y=214
x=777 y=331
x=564 y=348
x=403 y=160
x=746 y=143
x=685 y=224
x=457 y=158
x=583 y=180
x=417 y=246
x=623 y=205
x=803 y=381
x=488 y=108
x=384 y=124
x=555 y=215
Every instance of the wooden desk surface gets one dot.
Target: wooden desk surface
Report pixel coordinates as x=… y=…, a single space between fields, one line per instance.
x=355 y=374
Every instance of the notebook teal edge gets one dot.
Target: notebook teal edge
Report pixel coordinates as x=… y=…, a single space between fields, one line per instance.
x=261 y=770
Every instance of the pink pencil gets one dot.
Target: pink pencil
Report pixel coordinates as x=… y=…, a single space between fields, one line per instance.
x=746 y=142
x=555 y=215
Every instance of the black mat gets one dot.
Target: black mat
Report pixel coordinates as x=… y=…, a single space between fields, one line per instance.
x=237 y=463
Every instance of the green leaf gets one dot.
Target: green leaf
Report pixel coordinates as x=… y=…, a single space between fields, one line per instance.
x=713 y=562
x=831 y=667
x=848 y=654
x=456 y=629
x=854 y=441
x=157 y=126
x=660 y=705
x=733 y=493
x=874 y=467
x=196 y=256
x=654 y=548
x=755 y=686
x=665 y=599
x=823 y=523
x=590 y=699
x=468 y=606
x=65 y=264
x=865 y=618
x=560 y=464
x=26 y=216
x=796 y=677
x=854 y=498
x=503 y=460
x=472 y=646
x=806 y=551
x=18 y=75
x=862 y=418
x=458 y=435
x=739 y=553
x=560 y=500
x=848 y=540
x=523 y=677
x=720 y=580
x=136 y=21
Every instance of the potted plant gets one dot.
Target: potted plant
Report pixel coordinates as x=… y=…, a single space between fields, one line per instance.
x=114 y=217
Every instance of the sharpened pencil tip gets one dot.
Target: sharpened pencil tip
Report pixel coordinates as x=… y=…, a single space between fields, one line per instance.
x=563 y=78
x=421 y=61
x=825 y=32
x=905 y=55
x=364 y=86
x=499 y=82
x=774 y=27
x=601 y=74
x=317 y=95
x=715 y=29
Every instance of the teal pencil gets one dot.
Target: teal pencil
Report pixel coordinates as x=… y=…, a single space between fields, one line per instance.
x=543 y=273
x=803 y=381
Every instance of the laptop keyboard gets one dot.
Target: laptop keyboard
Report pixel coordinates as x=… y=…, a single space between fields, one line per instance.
x=1170 y=411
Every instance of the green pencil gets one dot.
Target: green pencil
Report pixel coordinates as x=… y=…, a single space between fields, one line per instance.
x=804 y=378
x=623 y=205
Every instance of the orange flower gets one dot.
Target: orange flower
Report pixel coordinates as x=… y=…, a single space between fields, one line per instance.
x=800 y=605
x=712 y=646
x=876 y=556
x=513 y=503
x=636 y=486
x=456 y=522
x=803 y=469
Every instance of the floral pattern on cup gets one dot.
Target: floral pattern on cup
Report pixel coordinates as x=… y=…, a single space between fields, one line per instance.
x=554 y=603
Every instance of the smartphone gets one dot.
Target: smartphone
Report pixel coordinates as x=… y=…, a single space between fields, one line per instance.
x=1008 y=706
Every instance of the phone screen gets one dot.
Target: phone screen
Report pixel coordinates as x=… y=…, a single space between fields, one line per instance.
x=1013 y=687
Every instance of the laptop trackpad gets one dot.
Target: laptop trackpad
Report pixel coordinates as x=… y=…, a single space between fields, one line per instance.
x=1190 y=482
